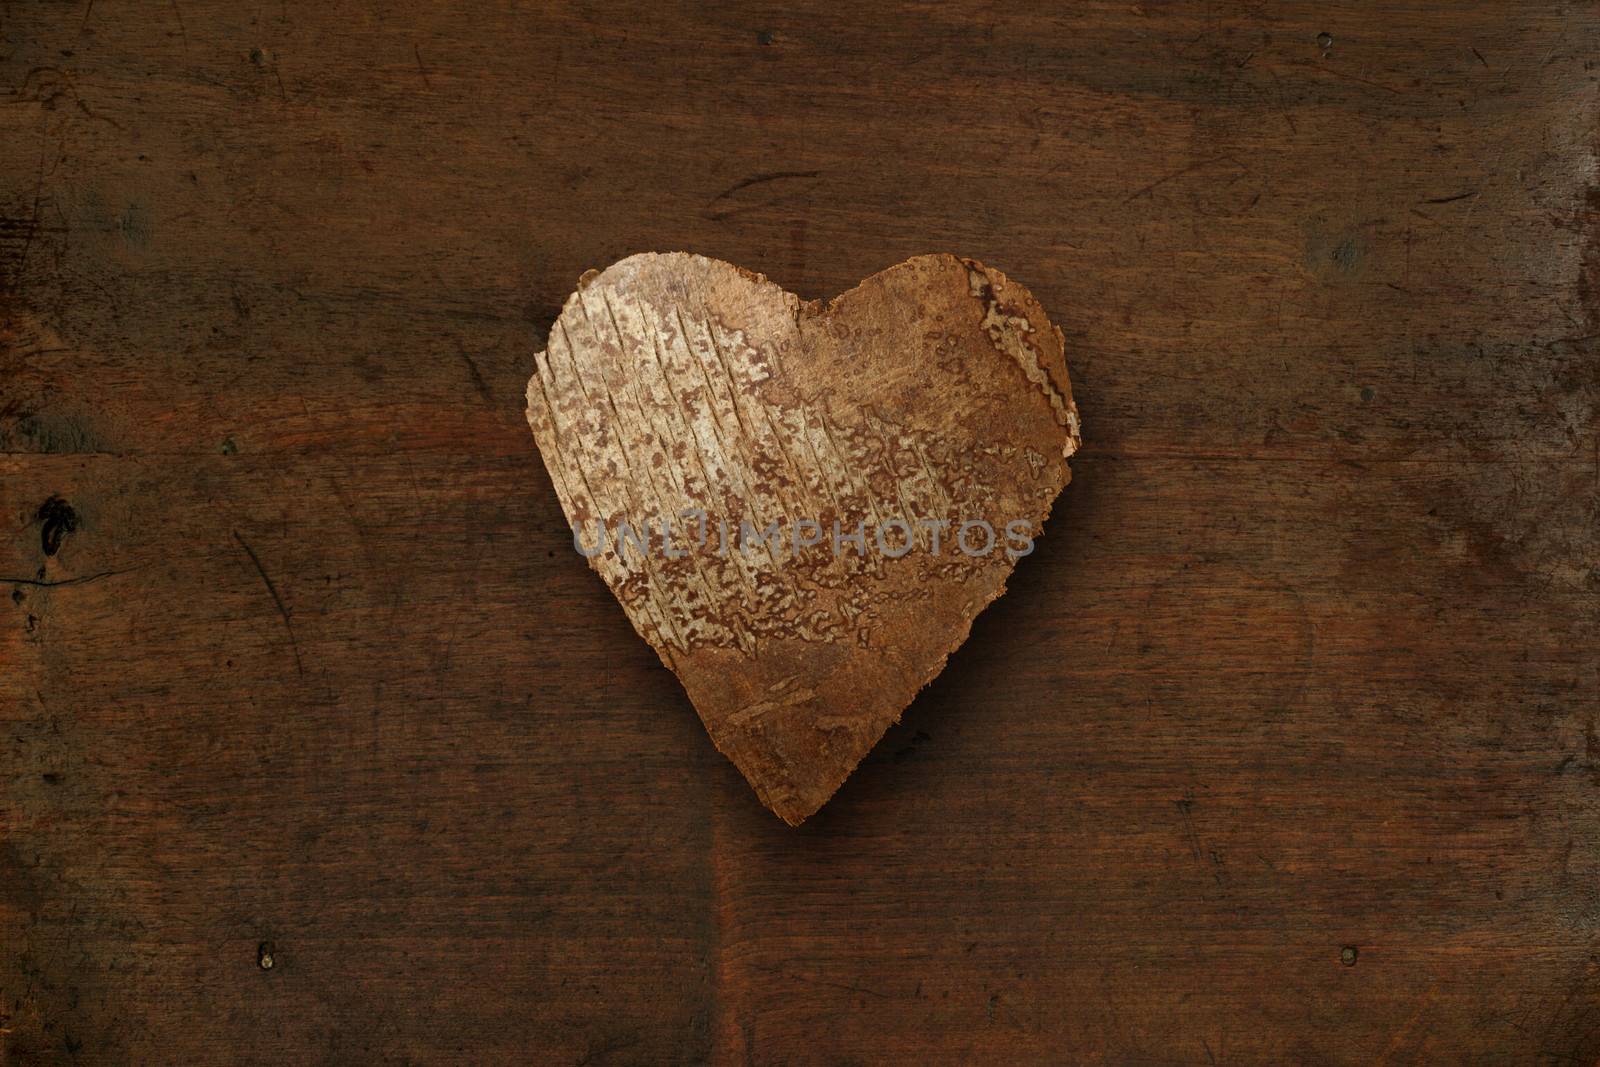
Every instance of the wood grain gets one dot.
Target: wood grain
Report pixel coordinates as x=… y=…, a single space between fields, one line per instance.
x=1309 y=664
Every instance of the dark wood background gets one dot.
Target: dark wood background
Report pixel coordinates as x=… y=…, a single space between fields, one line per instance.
x=1282 y=748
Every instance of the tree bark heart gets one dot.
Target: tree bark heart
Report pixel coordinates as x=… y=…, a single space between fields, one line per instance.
x=790 y=498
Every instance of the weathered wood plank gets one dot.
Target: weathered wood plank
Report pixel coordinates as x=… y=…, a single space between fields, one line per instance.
x=1305 y=661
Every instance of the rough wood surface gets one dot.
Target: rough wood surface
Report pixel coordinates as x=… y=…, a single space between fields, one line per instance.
x=850 y=483
x=1309 y=665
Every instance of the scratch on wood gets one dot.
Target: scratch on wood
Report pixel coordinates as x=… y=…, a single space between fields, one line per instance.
x=758 y=179
x=182 y=29
x=1400 y=1036
x=794 y=976
x=753 y=180
x=1283 y=108
x=1452 y=199
x=417 y=51
x=276 y=599
x=1185 y=808
x=49 y=584
x=1337 y=73
x=1191 y=168
x=478 y=381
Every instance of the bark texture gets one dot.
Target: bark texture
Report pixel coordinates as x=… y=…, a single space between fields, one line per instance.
x=820 y=498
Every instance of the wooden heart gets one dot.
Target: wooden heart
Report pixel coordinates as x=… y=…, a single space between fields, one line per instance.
x=789 y=499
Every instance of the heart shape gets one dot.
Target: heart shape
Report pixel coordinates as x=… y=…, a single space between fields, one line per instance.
x=788 y=498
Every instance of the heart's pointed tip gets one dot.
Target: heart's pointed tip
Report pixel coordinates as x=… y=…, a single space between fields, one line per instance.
x=804 y=790
x=794 y=810
x=793 y=819
x=792 y=789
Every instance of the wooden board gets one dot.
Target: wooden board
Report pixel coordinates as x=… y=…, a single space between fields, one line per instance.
x=1281 y=748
